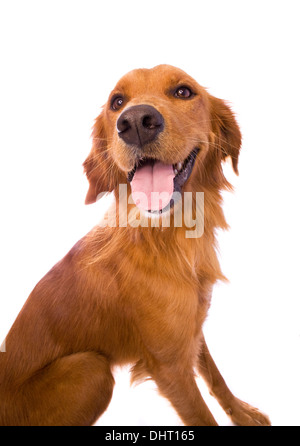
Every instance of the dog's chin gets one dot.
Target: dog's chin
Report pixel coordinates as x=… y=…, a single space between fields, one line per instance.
x=157 y=214
x=181 y=172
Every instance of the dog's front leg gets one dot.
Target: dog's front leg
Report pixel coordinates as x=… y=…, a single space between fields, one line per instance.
x=168 y=326
x=179 y=387
x=240 y=412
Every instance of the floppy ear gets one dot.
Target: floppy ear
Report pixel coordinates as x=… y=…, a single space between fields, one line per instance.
x=227 y=135
x=97 y=166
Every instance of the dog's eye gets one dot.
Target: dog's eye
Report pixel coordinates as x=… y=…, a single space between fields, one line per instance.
x=117 y=103
x=183 y=93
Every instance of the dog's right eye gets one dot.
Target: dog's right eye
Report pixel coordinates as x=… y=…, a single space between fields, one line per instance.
x=183 y=93
x=116 y=103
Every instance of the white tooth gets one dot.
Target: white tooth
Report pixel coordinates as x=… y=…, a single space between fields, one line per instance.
x=179 y=166
x=175 y=171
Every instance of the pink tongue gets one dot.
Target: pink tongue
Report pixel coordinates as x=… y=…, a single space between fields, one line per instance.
x=152 y=186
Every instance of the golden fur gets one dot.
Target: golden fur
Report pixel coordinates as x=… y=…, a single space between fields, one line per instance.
x=134 y=295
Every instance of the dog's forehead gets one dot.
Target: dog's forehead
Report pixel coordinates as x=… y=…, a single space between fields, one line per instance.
x=147 y=79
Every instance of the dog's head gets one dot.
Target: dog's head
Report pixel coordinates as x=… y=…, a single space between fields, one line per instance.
x=161 y=132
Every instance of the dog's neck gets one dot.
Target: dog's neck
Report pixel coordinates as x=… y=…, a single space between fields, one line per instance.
x=155 y=245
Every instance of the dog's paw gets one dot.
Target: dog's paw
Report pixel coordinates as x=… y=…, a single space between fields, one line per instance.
x=242 y=414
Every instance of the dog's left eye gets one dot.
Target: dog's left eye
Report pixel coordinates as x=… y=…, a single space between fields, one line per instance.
x=183 y=93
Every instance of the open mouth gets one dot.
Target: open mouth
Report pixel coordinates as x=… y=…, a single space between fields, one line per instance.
x=153 y=183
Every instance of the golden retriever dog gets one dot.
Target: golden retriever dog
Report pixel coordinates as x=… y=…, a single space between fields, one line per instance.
x=137 y=288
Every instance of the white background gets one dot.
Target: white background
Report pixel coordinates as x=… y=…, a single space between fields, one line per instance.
x=59 y=61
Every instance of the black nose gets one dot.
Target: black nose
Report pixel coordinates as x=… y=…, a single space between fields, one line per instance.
x=140 y=124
